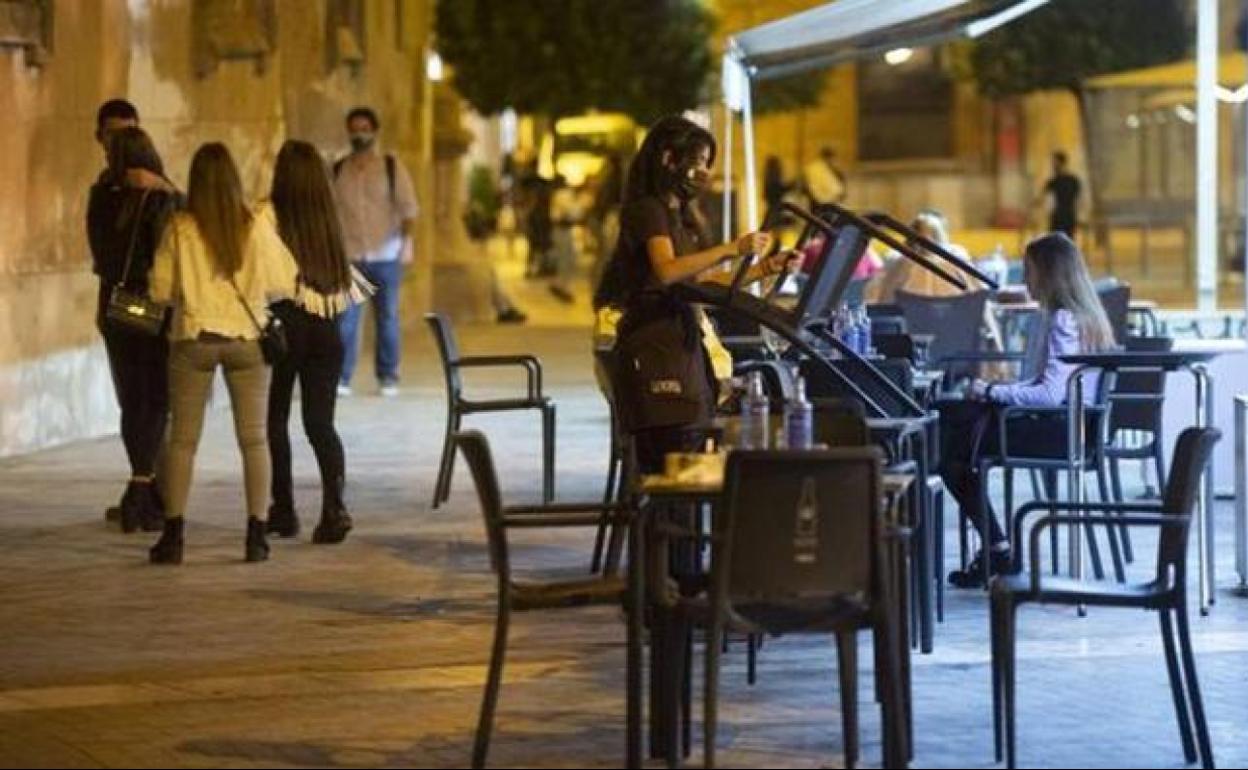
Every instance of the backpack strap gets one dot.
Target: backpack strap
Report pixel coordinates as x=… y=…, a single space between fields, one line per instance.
x=338 y=166
x=390 y=172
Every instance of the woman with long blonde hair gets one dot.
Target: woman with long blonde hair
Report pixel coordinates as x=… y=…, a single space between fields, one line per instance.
x=220 y=264
x=1073 y=321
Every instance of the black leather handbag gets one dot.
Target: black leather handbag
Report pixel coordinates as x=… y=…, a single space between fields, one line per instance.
x=130 y=309
x=273 y=343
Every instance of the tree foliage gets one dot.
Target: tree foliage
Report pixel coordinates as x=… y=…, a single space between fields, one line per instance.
x=793 y=92
x=1067 y=41
x=644 y=58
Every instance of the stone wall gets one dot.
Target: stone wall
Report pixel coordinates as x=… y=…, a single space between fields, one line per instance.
x=54 y=385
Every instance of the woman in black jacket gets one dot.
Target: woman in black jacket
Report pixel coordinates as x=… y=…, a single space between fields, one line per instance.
x=666 y=389
x=124 y=224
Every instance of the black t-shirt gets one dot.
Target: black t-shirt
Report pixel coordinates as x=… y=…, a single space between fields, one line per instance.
x=1065 y=190
x=113 y=213
x=640 y=221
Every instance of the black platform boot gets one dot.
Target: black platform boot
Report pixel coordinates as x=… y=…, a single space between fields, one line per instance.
x=168 y=549
x=283 y=521
x=257 y=544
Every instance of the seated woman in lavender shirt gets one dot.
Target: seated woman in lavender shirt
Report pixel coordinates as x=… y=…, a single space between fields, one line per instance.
x=1073 y=322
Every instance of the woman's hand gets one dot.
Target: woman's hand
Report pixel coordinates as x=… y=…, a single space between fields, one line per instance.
x=977 y=390
x=753 y=243
x=776 y=262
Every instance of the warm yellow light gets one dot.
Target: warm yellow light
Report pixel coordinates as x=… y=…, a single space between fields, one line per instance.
x=898 y=56
x=596 y=123
x=433 y=67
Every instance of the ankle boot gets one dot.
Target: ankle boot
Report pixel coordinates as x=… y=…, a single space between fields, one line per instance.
x=283 y=521
x=133 y=501
x=257 y=544
x=333 y=528
x=168 y=549
x=152 y=516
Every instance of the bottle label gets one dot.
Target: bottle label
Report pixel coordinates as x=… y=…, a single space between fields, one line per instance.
x=806 y=525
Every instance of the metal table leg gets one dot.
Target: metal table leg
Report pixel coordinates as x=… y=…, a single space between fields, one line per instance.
x=1204 y=501
x=1075 y=445
x=1241 y=492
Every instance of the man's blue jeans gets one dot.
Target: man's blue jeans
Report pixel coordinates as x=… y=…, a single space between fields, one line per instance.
x=387 y=277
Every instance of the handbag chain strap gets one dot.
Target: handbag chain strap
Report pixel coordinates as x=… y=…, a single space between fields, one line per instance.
x=134 y=236
x=246 y=306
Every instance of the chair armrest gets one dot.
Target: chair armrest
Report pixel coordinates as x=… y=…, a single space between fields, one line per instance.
x=588 y=506
x=530 y=363
x=578 y=514
x=1020 y=516
x=1136 y=398
x=1033 y=545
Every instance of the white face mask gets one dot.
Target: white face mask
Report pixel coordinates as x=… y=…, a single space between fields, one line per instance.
x=362 y=140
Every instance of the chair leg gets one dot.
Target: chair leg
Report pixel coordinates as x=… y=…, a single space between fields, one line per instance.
x=847 y=668
x=938 y=529
x=710 y=699
x=994 y=629
x=751 y=659
x=442 y=488
x=1193 y=689
x=1177 y=690
x=608 y=496
x=1115 y=478
x=1009 y=624
x=1050 y=493
x=1094 y=548
x=485 y=722
x=548 y=453
x=1111 y=530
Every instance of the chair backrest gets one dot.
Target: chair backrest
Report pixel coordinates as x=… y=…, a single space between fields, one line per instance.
x=798 y=526
x=1186 y=480
x=1129 y=415
x=839 y=422
x=1116 y=299
x=954 y=321
x=476 y=451
x=444 y=336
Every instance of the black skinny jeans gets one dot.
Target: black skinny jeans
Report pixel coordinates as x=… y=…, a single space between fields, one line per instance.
x=315 y=358
x=969 y=431
x=139 y=365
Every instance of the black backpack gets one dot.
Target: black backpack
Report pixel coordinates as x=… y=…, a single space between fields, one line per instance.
x=389 y=172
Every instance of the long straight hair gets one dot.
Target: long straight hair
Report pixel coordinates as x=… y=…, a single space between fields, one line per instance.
x=1059 y=276
x=307 y=216
x=214 y=197
x=681 y=139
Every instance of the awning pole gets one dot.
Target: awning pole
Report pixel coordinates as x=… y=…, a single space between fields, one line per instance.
x=747 y=119
x=1206 y=155
x=728 y=212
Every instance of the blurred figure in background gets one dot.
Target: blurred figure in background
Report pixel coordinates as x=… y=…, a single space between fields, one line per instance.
x=568 y=208
x=825 y=182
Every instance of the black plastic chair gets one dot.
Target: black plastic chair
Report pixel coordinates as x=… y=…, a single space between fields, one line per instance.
x=515 y=596
x=457 y=406
x=1166 y=592
x=1116 y=300
x=1138 y=398
x=799 y=548
x=621 y=465
x=955 y=325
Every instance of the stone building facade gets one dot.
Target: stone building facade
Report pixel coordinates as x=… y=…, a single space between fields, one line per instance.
x=250 y=73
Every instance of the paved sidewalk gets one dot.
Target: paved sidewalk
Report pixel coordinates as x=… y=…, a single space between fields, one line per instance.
x=373 y=653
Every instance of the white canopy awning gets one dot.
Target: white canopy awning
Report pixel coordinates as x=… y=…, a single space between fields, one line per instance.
x=850 y=29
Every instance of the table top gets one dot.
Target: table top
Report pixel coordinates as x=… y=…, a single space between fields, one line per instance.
x=1121 y=359
x=660 y=485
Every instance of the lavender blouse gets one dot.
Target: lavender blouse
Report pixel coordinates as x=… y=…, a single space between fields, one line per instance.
x=1048 y=387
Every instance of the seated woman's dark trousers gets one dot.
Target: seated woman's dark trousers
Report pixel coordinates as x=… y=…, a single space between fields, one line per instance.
x=968 y=432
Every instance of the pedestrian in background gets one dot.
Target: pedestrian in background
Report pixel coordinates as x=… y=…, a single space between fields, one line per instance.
x=378 y=207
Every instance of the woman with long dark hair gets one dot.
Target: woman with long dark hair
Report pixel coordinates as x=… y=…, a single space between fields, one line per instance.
x=307 y=220
x=124 y=224
x=1073 y=322
x=221 y=265
x=665 y=384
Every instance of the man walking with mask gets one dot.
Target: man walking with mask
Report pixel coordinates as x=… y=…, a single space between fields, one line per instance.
x=378 y=208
